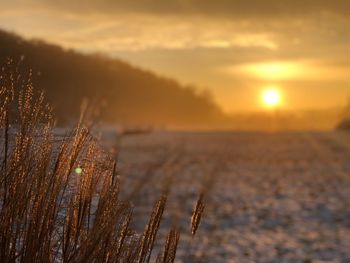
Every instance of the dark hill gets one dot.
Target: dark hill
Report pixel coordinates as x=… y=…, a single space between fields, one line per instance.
x=131 y=95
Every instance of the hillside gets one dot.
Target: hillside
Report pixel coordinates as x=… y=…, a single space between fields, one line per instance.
x=130 y=95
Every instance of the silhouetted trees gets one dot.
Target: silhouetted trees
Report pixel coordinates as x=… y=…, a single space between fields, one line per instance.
x=344 y=124
x=130 y=95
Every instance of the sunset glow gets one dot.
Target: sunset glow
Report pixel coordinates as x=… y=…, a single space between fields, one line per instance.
x=227 y=48
x=271 y=98
x=231 y=118
x=274 y=70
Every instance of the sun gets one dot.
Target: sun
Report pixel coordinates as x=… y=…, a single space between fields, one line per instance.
x=271 y=98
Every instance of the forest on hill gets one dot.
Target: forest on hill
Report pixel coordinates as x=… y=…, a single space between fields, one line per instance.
x=128 y=95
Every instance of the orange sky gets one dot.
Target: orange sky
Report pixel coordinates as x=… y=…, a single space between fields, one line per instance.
x=235 y=49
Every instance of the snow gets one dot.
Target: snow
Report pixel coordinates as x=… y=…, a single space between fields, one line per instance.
x=282 y=197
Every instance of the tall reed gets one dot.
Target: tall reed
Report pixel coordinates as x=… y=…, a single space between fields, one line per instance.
x=59 y=197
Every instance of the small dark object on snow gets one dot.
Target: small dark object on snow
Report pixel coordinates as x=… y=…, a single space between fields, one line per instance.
x=344 y=125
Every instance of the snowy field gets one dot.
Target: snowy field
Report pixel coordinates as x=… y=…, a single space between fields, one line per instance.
x=281 y=197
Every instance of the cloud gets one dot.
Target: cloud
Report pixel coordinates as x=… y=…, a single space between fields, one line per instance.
x=93 y=33
x=307 y=26
x=226 y=8
x=291 y=70
x=194 y=40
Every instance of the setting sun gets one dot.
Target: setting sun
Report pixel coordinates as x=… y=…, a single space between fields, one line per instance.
x=135 y=130
x=271 y=98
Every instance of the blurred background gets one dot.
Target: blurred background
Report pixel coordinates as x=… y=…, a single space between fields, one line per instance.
x=186 y=64
x=236 y=100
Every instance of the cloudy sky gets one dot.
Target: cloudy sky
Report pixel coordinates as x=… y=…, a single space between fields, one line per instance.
x=235 y=48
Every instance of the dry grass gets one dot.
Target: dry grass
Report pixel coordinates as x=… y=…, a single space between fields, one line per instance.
x=49 y=212
x=197 y=214
x=170 y=247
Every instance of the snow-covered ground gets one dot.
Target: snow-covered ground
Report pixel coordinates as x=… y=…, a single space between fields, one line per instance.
x=281 y=197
